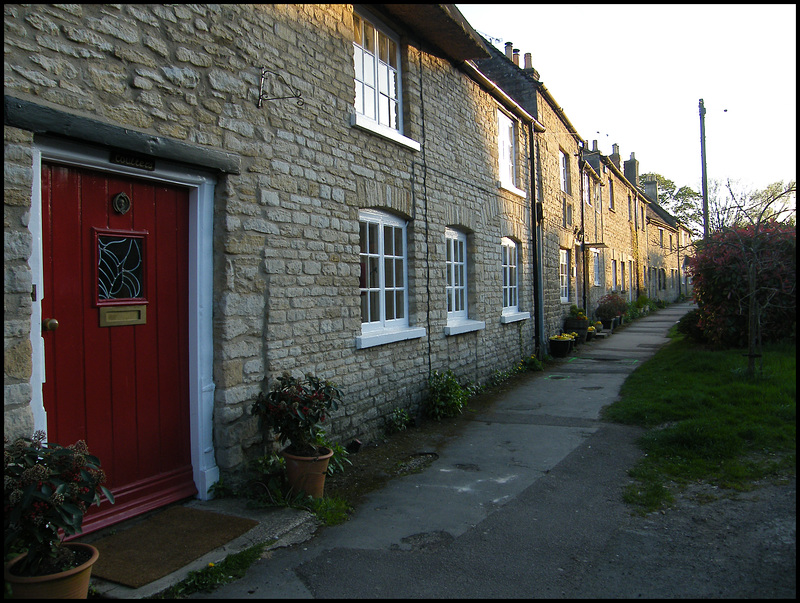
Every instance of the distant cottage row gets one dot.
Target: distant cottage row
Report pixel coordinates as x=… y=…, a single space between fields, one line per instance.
x=201 y=197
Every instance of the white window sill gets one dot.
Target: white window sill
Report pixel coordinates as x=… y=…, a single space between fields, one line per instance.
x=464 y=326
x=383 y=337
x=369 y=125
x=514 y=317
x=512 y=189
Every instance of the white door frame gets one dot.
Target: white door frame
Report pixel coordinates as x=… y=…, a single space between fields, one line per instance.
x=201 y=214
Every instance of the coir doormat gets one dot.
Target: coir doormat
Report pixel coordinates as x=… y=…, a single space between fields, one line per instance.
x=164 y=543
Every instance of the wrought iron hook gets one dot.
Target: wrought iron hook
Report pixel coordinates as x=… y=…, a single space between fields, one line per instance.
x=264 y=96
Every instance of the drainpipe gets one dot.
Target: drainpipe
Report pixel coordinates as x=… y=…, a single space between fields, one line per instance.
x=536 y=250
x=582 y=232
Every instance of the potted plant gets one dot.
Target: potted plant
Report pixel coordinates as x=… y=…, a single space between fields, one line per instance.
x=47 y=488
x=294 y=409
x=609 y=308
x=560 y=345
x=577 y=322
x=590 y=333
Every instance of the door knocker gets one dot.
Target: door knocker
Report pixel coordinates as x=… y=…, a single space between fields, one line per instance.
x=121 y=203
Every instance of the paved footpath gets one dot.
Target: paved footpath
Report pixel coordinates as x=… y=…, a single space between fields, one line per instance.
x=526 y=503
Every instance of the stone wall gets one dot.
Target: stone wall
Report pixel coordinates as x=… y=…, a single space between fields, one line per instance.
x=17 y=246
x=286 y=233
x=554 y=139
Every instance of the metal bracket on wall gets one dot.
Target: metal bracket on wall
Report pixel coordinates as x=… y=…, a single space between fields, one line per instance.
x=269 y=82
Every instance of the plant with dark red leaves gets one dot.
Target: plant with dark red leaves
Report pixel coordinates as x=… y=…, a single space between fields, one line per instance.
x=47 y=489
x=295 y=409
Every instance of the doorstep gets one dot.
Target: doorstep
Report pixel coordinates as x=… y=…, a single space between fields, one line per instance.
x=278 y=527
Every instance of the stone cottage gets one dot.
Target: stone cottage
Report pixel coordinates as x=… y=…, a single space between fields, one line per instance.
x=201 y=197
x=597 y=235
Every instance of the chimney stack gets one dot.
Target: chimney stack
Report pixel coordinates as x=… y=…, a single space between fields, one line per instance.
x=614 y=157
x=516 y=57
x=594 y=146
x=632 y=170
x=528 y=61
x=509 y=50
x=651 y=187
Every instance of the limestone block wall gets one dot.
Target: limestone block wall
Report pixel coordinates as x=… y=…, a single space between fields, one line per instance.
x=557 y=138
x=286 y=233
x=17 y=246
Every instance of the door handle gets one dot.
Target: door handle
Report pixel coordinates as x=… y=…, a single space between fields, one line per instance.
x=49 y=324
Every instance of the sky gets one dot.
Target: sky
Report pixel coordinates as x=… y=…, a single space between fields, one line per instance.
x=633 y=75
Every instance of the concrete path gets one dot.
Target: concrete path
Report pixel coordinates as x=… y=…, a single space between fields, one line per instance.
x=514 y=507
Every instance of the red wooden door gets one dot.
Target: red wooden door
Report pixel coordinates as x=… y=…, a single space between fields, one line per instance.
x=119 y=261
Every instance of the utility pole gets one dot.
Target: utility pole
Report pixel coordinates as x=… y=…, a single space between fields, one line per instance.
x=705 y=178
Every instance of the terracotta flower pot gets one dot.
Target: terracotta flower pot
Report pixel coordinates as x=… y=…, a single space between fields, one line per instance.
x=71 y=584
x=307 y=473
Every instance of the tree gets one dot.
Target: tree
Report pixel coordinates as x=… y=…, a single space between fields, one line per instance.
x=750 y=263
x=684 y=203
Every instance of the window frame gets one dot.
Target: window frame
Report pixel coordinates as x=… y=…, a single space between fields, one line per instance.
x=563 y=274
x=565 y=172
x=384 y=46
x=611 y=195
x=508 y=153
x=384 y=330
x=456 y=266
x=361 y=119
x=614 y=286
x=509 y=261
x=596 y=267
x=510 y=269
x=587 y=196
x=458 y=321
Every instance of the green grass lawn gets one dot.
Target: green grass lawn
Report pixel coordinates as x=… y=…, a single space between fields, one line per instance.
x=707 y=421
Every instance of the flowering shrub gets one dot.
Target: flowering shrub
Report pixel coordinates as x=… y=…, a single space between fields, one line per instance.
x=611 y=306
x=720 y=274
x=295 y=410
x=576 y=312
x=46 y=489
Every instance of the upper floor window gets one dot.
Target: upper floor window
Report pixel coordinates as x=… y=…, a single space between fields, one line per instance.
x=563 y=273
x=596 y=266
x=377 y=63
x=610 y=195
x=384 y=293
x=661 y=237
x=456 y=275
x=587 y=192
x=614 y=285
x=566 y=185
x=510 y=275
x=630 y=209
x=507 y=149
x=566 y=212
